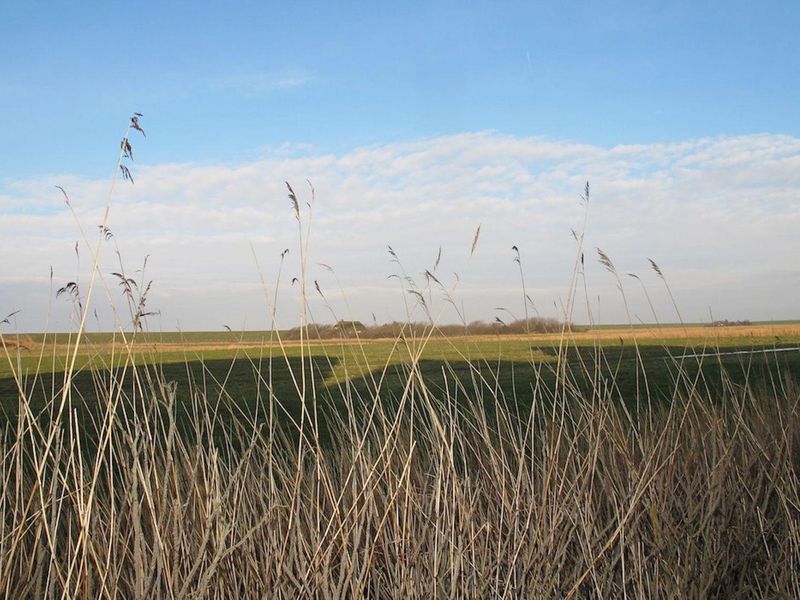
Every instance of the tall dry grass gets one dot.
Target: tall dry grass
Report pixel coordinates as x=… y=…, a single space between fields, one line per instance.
x=418 y=496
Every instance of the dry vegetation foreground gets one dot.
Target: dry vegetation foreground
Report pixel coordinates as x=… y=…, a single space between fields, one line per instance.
x=607 y=471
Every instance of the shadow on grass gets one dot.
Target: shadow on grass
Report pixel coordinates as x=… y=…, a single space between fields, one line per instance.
x=242 y=389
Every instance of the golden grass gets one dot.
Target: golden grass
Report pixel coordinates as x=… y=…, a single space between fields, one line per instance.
x=666 y=334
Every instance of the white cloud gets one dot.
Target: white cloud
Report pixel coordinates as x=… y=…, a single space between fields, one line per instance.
x=719 y=215
x=252 y=82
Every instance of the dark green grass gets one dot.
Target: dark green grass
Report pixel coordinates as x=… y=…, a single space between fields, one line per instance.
x=514 y=371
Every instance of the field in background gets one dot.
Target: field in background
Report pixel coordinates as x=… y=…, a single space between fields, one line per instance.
x=47 y=352
x=244 y=368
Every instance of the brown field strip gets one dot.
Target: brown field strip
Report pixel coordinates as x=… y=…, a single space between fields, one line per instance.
x=710 y=335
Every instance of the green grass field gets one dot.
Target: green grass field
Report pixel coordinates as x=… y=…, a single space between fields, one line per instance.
x=245 y=368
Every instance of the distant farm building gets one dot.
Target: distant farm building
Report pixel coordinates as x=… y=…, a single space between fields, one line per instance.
x=347 y=328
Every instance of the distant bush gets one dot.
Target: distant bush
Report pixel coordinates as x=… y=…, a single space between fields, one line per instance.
x=726 y=323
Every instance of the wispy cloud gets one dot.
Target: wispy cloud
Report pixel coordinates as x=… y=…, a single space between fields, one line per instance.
x=254 y=82
x=719 y=215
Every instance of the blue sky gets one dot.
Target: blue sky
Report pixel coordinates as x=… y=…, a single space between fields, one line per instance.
x=416 y=121
x=220 y=80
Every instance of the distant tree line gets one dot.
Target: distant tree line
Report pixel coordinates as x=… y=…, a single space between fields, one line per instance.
x=726 y=323
x=353 y=329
